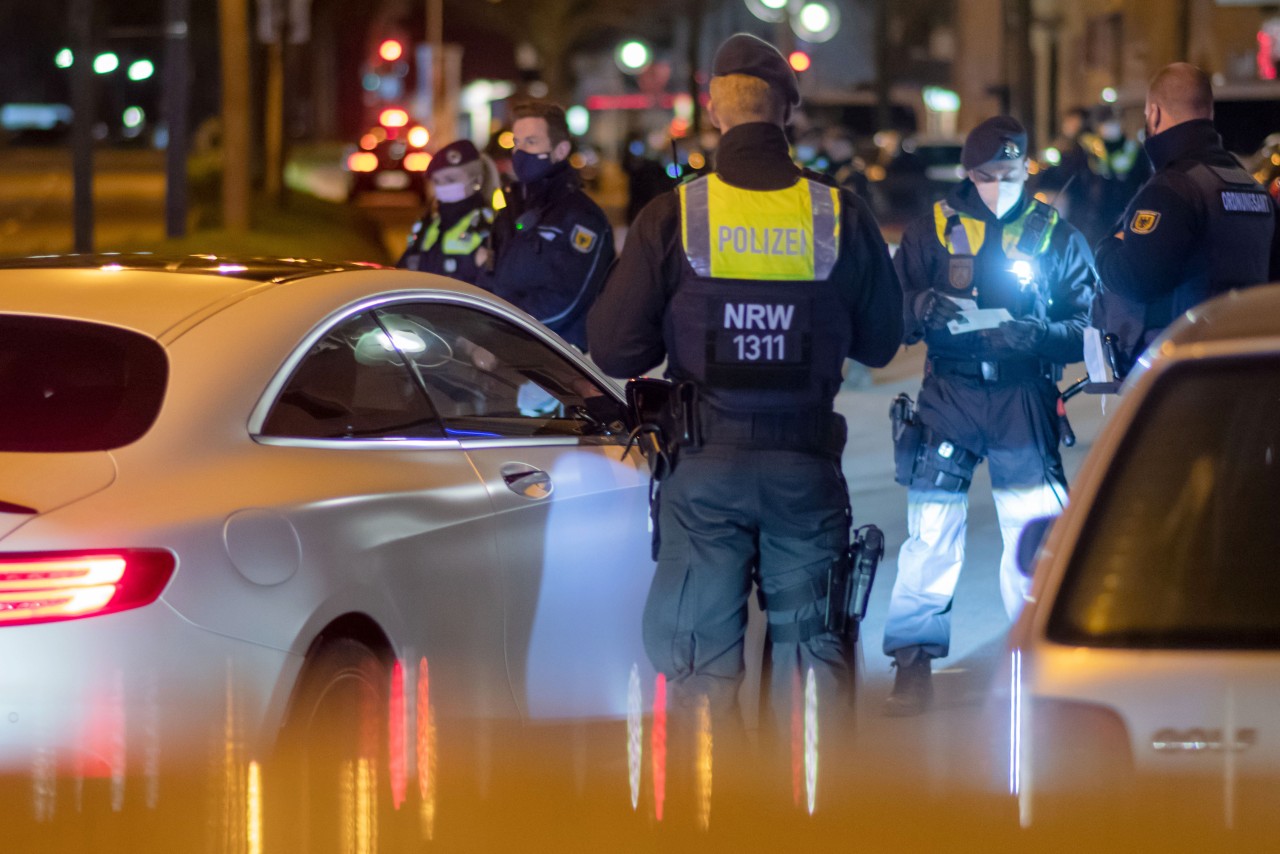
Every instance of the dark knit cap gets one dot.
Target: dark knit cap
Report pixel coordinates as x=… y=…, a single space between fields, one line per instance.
x=457 y=153
x=998 y=138
x=746 y=54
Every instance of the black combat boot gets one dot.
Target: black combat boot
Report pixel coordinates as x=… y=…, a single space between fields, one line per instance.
x=912 y=685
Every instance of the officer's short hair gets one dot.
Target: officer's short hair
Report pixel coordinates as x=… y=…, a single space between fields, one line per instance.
x=1183 y=90
x=740 y=98
x=552 y=114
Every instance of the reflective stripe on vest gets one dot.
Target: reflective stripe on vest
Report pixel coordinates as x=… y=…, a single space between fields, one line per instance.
x=462 y=238
x=963 y=235
x=776 y=235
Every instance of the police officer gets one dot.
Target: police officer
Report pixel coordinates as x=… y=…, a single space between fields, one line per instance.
x=449 y=238
x=1116 y=169
x=552 y=245
x=1199 y=227
x=755 y=283
x=986 y=394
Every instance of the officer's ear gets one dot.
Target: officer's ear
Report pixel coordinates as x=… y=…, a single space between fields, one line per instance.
x=561 y=150
x=712 y=115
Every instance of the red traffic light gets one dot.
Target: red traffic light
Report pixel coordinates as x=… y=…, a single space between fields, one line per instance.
x=799 y=61
x=390 y=50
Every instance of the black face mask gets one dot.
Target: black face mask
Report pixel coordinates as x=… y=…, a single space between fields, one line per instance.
x=530 y=168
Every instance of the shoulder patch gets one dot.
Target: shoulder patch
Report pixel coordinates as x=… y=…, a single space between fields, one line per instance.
x=1144 y=222
x=583 y=238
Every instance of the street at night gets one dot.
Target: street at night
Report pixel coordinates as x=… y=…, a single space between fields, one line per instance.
x=679 y=425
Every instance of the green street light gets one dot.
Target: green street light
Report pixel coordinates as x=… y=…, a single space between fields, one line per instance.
x=816 y=22
x=141 y=69
x=105 y=63
x=63 y=58
x=633 y=56
x=133 y=117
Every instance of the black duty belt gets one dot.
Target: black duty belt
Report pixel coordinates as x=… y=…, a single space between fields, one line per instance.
x=814 y=431
x=997 y=371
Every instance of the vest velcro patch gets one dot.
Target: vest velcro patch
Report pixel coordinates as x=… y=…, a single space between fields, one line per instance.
x=1254 y=203
x=1144 y=222
x=583 y=239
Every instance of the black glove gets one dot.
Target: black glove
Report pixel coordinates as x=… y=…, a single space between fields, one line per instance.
x=1026 y=333
x=935 y=310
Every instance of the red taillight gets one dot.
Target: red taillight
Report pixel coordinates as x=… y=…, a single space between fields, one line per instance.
x=45 y=587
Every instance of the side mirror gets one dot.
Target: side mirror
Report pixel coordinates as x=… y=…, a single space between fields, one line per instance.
x=1032 y=537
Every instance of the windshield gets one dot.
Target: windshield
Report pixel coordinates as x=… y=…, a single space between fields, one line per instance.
x=68 y=385
x=1182 y=549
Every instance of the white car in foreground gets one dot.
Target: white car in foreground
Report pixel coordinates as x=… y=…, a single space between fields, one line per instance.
x=325 y=508
x=1145 y=672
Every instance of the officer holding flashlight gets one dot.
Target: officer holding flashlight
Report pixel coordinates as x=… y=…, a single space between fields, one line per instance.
x=998 y=287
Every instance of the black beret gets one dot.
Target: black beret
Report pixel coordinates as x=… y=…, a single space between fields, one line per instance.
x=456 y=153
x=998 y=138
x=746 y=54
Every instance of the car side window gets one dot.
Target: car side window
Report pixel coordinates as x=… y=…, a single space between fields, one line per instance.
x=353 y=384
x=490 y=378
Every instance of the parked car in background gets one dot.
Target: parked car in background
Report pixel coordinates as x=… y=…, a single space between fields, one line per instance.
x=390 y=157
x=1145 y=669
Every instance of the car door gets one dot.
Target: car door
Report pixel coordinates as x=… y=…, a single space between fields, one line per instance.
x=571 y=508
x=392 y=519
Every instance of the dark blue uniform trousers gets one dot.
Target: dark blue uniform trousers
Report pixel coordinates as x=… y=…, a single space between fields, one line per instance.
x=724 y=513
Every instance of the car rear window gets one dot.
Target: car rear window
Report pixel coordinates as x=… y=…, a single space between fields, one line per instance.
x=1182 y=546
x=69 y=385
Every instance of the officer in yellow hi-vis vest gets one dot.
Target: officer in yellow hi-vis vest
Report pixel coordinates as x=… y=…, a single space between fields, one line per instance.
x=754 y=283
x=450 y=238
x=998 y=288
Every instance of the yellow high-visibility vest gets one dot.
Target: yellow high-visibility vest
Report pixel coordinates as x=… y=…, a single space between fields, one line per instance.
x=766 y=235
x=964 y=235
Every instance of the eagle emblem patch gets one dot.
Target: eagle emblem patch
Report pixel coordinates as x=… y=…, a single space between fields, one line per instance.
x=1144 y=222
x=583 y=239
x=960 y=272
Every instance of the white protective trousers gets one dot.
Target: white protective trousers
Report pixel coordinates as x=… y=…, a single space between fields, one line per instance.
x=930 y=561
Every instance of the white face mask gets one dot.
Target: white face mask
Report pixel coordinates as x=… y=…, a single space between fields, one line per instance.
x=999 y=196
x=452 y=192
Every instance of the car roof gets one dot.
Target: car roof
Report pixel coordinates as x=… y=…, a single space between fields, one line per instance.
x=148 y=293
x=1236 y=317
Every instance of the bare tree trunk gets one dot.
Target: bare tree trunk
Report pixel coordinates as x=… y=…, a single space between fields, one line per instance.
x=274 y=119
x=235 y=115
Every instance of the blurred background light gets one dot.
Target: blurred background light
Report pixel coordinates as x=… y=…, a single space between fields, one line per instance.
x=579 y=119
x=633 y=56
x=141 y=69
x=105 y=63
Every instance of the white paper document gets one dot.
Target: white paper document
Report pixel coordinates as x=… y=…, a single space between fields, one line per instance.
x=1095 y=356
x=976 y=318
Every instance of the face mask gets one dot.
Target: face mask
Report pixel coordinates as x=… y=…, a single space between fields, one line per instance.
x=531 y=167
x=1000 y=196
x=452 y=192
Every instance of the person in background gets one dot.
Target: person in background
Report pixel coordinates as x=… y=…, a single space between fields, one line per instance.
x=449 y=239
x=551 y=244
x=1199 y=227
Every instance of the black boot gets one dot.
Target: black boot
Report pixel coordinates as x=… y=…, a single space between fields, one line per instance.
x=912 y=685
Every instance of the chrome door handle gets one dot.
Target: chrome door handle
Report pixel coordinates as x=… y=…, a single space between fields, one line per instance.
x=526 y=481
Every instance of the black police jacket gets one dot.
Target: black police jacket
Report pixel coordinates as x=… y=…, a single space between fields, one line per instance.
x=1059 y=296
x=1182 y=242
x=552 y=247
x=435 y=258
x=631 y=324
